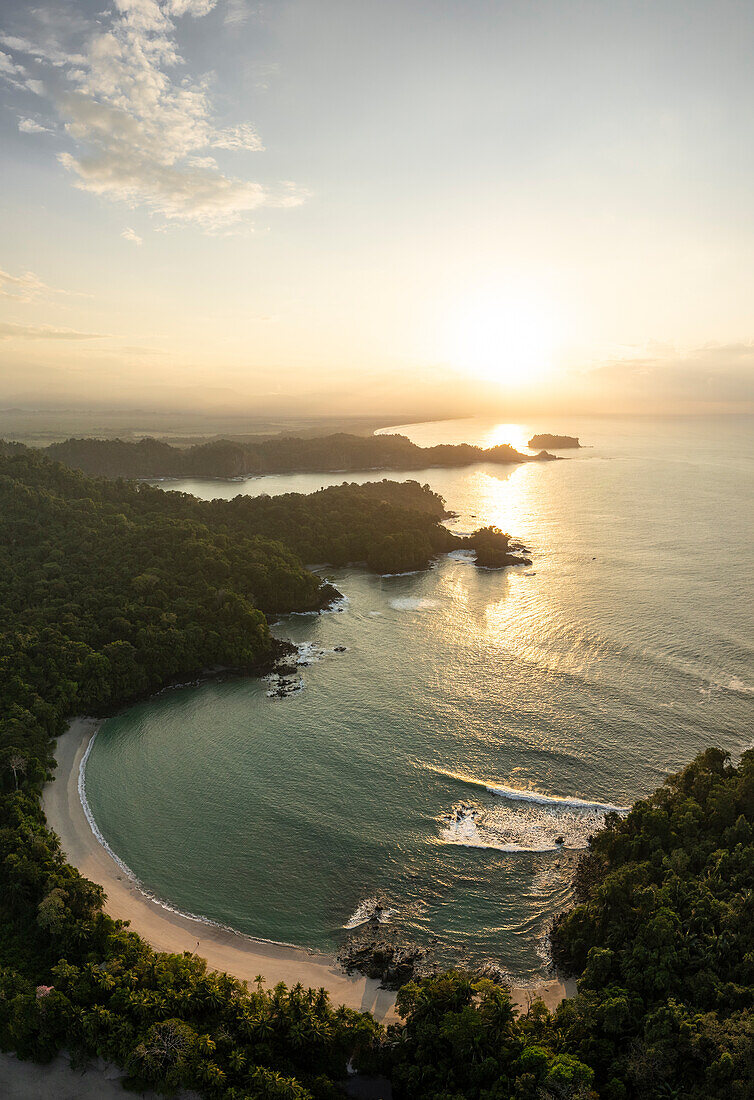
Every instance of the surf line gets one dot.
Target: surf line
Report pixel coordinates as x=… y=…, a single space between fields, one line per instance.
x=517 y=794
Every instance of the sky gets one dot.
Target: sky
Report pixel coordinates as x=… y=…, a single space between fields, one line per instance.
x=367 y=206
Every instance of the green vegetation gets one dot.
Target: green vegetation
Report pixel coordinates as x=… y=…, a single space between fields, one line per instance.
x=554 y=442
x=389 y=526
x=493 y=549
x=107 y=591
x=279 y=455
x=663 y=939
x=662 y=942
x=463 y=1040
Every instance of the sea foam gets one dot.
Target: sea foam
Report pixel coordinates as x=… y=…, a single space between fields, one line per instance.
x=412 y=603
x=517 y=795
x=367 y=910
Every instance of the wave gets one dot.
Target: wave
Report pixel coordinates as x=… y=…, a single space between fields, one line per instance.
x=468 y=827
x=519 y=794
x=81 y=785
x=334 y=608
x=405 y=573
x=309 y=653
x=510 y=846
x=412 y=603
x=369 y=909
x=516 y=795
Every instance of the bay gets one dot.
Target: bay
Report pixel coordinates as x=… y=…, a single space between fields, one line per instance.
x=475 y=718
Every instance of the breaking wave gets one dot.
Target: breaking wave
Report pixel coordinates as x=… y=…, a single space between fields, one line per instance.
x=369 y=909
x=522 y=794
x=516 y=795
x=517 y=820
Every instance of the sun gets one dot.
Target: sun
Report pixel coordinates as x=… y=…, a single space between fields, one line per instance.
x=502 y=337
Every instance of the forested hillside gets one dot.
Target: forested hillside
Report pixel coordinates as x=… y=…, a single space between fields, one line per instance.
x=108 y=590
x=663 y=939
x=389 y=526
x=663 y=945
x=280 y=455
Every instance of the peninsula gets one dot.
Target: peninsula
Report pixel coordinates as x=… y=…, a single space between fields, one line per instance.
x=340 y=453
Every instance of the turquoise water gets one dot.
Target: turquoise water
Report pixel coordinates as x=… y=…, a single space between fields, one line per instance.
x=435 y=762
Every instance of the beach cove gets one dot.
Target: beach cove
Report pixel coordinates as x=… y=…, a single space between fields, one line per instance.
x=166 y=929
x=451 y=725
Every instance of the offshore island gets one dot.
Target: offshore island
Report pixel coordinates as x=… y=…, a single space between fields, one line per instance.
x=555 y=442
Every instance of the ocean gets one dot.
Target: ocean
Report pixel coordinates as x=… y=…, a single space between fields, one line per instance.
x=451 y=761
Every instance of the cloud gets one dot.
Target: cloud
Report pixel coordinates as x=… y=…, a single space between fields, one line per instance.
x=16 y=75
x=263 y=75
x=236 y=12
x=239 y=137
x=129 y=234
x=29 y=126
x=24 y=287
x=10 y=331
x=46 y=47
x=197 y=8
x=141 y=131
x=8 y=66
x=714 y=377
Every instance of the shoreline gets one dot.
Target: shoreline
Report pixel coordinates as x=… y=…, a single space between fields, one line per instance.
x=169 y=930
x=160 y=479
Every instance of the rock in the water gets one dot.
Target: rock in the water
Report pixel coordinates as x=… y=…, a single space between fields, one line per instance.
x=377 y=955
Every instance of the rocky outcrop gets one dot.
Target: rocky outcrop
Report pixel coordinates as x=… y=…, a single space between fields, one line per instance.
x=493 y=549
x=376 y=953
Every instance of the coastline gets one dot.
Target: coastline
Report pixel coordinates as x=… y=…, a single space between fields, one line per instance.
x=159 y=479
x=169 y=930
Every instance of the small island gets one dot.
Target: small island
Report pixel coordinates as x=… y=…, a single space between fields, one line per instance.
x=556 y=442
x=493 y=549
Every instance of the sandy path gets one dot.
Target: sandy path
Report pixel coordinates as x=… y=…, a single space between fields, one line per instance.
x=233 y=952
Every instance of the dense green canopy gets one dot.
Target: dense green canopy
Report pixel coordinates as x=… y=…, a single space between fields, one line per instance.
x=663 y=939
x=277 y=455
x=662 y=943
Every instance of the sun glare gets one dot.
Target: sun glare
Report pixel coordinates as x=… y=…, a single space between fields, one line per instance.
x=503 y=338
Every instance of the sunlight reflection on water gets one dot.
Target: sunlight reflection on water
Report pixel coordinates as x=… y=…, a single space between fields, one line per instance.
x=627 y=650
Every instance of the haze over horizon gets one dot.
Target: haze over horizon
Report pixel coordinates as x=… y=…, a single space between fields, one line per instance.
x=346 y=208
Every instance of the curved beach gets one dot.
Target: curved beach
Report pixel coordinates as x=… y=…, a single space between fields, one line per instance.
x=224 y=949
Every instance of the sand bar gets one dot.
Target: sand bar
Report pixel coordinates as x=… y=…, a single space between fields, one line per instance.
x=223 y=949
